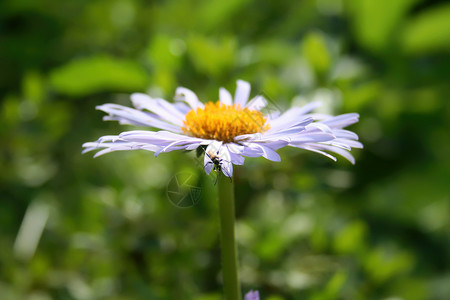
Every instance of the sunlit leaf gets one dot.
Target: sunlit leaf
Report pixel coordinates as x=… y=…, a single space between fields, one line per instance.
x=211 y=56
x=315 y=50
x=375 y=21
x=98 y=74
x=429 y=31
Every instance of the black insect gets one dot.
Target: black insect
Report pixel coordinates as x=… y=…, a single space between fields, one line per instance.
x=217 y=161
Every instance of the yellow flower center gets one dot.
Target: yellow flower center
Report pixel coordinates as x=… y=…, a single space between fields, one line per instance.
x=217 y=121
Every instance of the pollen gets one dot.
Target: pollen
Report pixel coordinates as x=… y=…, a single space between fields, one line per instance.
x=220 y=122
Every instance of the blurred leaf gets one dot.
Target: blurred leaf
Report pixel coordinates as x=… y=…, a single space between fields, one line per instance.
x=209 y=297
x=274 y=297
x=360 y=96
x=33 y=87
x=375 y=22
x=332 y=288
x=351 y=238
x=213 y=57
x=318 y=238
x=413 y=197
x=165 y=51
x=98 y=74
x=382 y=263
x=10 y=110
x=415 y=289
x=165 y=55
x=215 y=12
x=273 y=52
x=429 y=31
x=314 y=48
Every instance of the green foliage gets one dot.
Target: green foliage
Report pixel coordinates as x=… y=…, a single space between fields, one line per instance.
x=211 y=57
x=316 y=53
x=73 y=227
x=97 y=74
x=375 y=21
x=428 y=32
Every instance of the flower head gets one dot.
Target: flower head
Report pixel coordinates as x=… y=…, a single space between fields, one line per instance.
x=221 y=122
x=229 y=130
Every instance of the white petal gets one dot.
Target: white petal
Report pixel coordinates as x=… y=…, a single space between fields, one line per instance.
x=214 y=148
x=311 y=138
x=169 y=107
x=225 y=96
x=182 y=107
x=160 y=107
x=342 y=120
x=339 y=145
x=273 y=144
x=345 y=134
x=255 y=150
x=208 y=164
x=177 y=145
x=318 y=151
x=235 y=148
x=287 y=121
x=252 y=151
x=271 y=114
x=108 y=138
x=184 y=94
x=235 y=151
x=227 y=169
x=197 y=144
x=225 y=162
x=193 y=146
x=289 y=131
x=159 y=138
x=320 y=126
x=125 y=148
x=248 y=137
x=236 y=158
x=269 y=153
x=308 y=107
x=117 y=145
x=257 y=103
x=133 y=116
x=242 y=93
x=351 y=143
x=341 y=152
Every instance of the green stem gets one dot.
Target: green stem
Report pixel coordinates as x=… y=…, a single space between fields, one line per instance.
x=231 y=285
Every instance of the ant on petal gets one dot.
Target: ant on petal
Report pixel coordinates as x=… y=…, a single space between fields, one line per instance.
x=218 y=160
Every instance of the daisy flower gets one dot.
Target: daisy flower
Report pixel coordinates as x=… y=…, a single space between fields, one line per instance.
x=229 y=130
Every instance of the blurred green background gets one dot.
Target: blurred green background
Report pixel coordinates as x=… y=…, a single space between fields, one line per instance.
x=73 y=227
